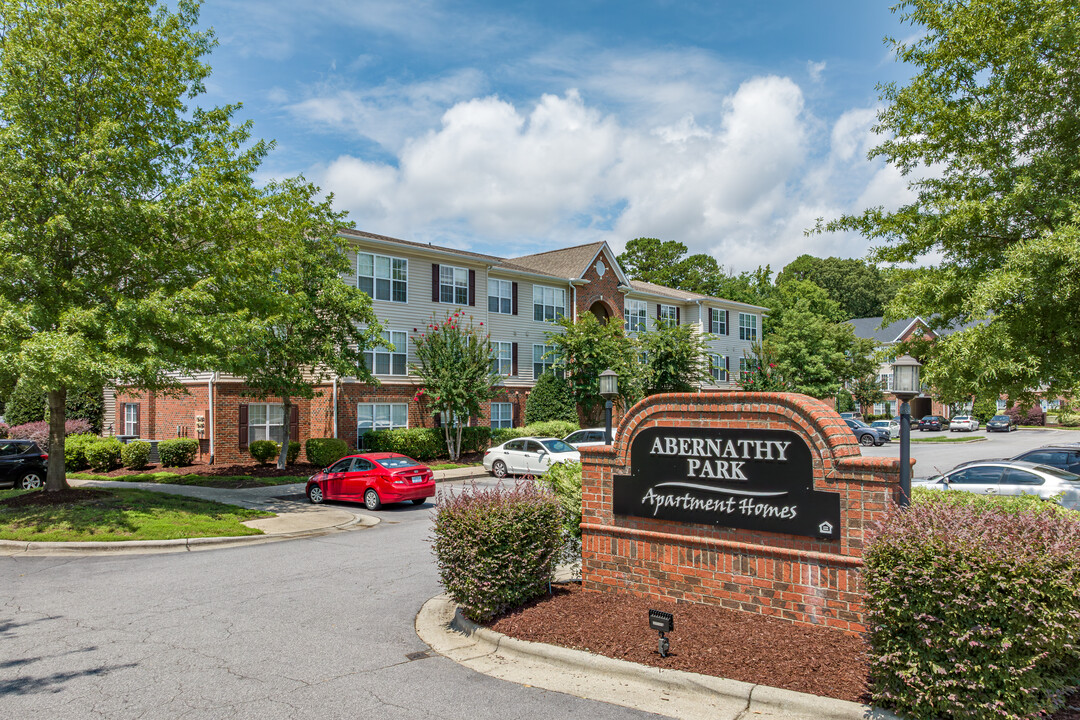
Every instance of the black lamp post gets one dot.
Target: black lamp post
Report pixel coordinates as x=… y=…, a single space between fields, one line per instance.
x=609 y=388
x=905 y=387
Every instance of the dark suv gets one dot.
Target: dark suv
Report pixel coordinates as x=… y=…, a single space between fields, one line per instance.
x=933 y=422
x=1065 y=456
x=22 y=464
x=867 y=435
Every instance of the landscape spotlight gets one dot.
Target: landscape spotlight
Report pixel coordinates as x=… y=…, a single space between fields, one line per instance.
x=662 y=622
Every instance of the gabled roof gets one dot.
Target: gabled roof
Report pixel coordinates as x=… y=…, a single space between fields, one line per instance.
x=871 y=328
x=567 y=263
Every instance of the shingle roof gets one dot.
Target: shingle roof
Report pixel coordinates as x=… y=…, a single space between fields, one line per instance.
x=410 y=243
x=684 y=295
x=871 y=328
x=567 y=263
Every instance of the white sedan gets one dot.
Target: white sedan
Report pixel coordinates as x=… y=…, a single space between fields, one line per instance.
x=586 y=437
x=1009 y=477
x=964 y=422
x=528 y=456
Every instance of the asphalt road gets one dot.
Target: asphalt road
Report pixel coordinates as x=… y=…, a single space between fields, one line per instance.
x=315 y=628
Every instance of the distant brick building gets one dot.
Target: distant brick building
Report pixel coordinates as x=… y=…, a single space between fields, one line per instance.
x=517 y=300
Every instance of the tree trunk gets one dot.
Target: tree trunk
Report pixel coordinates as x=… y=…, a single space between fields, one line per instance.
x=283 y=456
x=56 y=476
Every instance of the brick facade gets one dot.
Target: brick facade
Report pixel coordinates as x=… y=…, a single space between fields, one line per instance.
x=602 y=289
x=805 y=580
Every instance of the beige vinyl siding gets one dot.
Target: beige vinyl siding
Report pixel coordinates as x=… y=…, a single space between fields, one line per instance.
x=521 y=328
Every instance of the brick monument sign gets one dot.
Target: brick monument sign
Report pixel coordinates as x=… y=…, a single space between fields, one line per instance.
x=752 y=501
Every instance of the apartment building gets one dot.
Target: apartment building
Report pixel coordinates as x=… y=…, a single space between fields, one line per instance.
x=516 y=299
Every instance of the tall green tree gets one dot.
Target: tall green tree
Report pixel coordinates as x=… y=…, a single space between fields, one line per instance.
x=855 y=285
x=677 y=359
x=456 y=374
x=988 y=130
x=586 y=348
x=126 y=214
x=761 y=373
x=867 y=391
x=307 y=325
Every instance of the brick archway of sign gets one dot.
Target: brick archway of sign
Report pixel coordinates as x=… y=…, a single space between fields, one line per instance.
x=805 y=579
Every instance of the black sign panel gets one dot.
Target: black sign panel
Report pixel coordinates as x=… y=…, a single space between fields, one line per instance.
x=750 y=479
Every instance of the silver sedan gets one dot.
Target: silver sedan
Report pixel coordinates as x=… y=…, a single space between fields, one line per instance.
x=1010 y=477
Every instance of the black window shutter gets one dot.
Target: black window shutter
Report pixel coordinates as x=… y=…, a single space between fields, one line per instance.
x=434 y=282
x=727 y=366
x=242 y=425
x=712 y=319
x=657 y=312
x=513 y=300
x=138 y=424
x=294 y=424
x=514 y=360
x=678 y=315
x=472 y=287
x=727 y=322
x=516 y=416
x=438 y=420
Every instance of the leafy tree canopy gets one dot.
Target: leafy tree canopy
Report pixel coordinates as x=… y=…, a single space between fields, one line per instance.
x=550 y=400
x=586 y=348
x=988 y=127
x=855 y=285
x=677 y=359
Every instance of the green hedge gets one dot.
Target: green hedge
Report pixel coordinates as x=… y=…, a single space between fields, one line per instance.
x=178 y=452
x=324 y=452
x=551 y=428
x=75 y=451
x=973 y=606
x=425 y=443
x=135 y=454
x=496 y=549
x=103 y=454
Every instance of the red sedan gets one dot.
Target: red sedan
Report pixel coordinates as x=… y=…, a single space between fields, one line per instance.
x=374 y=479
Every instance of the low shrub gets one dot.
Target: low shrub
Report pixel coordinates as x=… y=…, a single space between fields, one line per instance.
x=475 y=439
x=178 y=452
x=550 y=428
x=4 y=431
x=103 y=454
x=324 y=452
x=501 y=435
x=1033 y=416
x=263 y=450
x=417 y=443
x=1069 y=418
x=973 y=606
x=135 y=454
x=75 y=450
x=564 y=479
x=39 y=431
x=497 y=548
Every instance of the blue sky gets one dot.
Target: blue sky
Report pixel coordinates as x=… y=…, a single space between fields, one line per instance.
x=516 y=127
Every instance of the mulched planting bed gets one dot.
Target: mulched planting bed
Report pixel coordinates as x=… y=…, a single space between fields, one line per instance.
x=268 y=470
x=61 y=497
x=707 y=640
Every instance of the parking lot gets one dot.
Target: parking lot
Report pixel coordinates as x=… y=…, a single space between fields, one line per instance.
x=935 y=458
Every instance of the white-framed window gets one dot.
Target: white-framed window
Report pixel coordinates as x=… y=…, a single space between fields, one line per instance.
x=502 y=415
x=266 y=421
x=747 y=326
x=636 y=315
x=669 y=314
x=453 y=285
x=1054 y=404
x=543 y=359
x=718 y=322
x=131 y=418
x=879 y=408
x=549 y=303
x=381 y=416
x=501 y=296
x=718 y=368
x=744 y=368
x=382 y=277
x=381 y=361
x=502 y=358
x=885 y=379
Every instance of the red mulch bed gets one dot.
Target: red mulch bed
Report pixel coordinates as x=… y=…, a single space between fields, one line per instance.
x=707 y=640
x=61 y=497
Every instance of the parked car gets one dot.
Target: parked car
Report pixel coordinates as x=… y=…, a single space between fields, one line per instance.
x=586 y=437
x=528 y=456
x=933 y=422
x=1065 y=456
x=851 y=415
x=373 y=479
x=970 y=423
x=1010 y=477
x=867 y=435
x=893 y=426
x=1001 y=423
x=22 y=463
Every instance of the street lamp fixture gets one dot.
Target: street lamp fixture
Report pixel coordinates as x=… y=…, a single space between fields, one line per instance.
x=609 y=388
x=906 y=386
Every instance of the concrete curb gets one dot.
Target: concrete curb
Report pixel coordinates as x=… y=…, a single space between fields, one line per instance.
x=672 y=693
x=12 y=547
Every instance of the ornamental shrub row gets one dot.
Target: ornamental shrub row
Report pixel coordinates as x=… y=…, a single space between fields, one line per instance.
x=178 y=452
x=973 y=607
x=425 y=443
x=497 y=548
x=103 y=454
x=266 y=450
x=550 y=428
x=135 y=454
x=324 y=452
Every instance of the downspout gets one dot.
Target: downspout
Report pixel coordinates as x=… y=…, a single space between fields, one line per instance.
x=335 y=407
x=573 y=302
x=210 y=420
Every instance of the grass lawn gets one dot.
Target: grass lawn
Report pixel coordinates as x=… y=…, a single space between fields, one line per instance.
x=947 y=439
x=108 y=514
x=216 y=481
